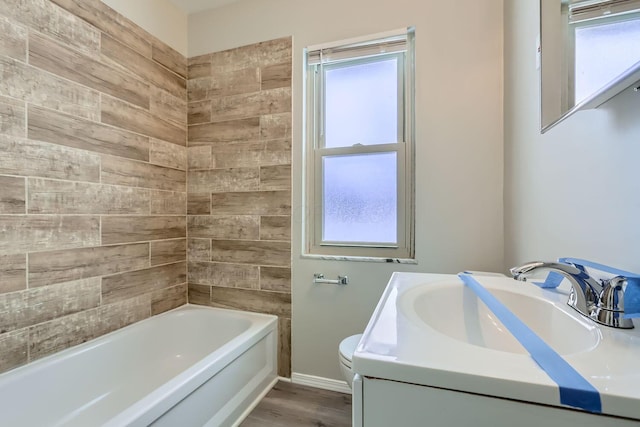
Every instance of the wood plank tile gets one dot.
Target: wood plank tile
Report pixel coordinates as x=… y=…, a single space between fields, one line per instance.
x=241 y=106
x=198 y=249
x=169 y=107
x=275 y=228
x=168 y=251
x=63 y=129
x=289 y=404
x=246 y=154
x=47 y=268
x=198 y=203
x=199 y=294
x=220 y=180
x=276 y=146
x=199 y=157
x=232 y=130
x=14 y=350
x=199 y=66
x=275 y=76
x=33 y=158
x=224 y=83
x=275 y=126
x=168 y=202
x=124 y=313
x=224 y=275
x=124 y=286
x=263 y=54
x=13 y=273
x=12 y=195
x=125 y=229
x=47 y=18
x=24 y=82
x=101 y=16
x=120 y=171
x=164 y=153
x=275 y=177
x=170 y=58
x=251 y=203
x=32 y=306
x=276 y=303
x=67 y=197
x=199 y=112
x=224 y=227
x=277 y=279
x=168 y=299
x=251 y=252
x=239 y=58
x=197 y=89
x=147 y=69
x=58 y=59
x=64 y=332
x=14 y=39
x=276 y=51
x=12 y=117
x=284 y=347
x=22 y=233
x=127 y=116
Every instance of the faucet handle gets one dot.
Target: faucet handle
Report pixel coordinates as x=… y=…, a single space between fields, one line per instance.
x=612 y=296
x=610 y=310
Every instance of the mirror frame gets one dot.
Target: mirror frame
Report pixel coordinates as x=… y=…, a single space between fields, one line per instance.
x=627 y=79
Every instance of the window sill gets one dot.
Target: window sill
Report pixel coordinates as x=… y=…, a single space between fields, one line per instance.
x=359 y=259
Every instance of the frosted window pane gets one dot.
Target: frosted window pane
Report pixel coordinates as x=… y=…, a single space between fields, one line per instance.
x=361 y=104
x=360 y=198
x=603 y=52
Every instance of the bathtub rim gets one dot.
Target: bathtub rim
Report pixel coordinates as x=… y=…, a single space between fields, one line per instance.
x=163 y=398
x=160 y=400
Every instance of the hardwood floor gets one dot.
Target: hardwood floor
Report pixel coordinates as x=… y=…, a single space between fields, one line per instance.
x=292 y=405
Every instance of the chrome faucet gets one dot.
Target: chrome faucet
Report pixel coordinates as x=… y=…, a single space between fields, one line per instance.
x=600 y=300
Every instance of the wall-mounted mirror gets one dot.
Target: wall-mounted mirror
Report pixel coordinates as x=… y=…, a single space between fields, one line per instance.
x=590 y=52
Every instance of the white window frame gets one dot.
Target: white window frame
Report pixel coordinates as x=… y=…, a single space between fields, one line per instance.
x=349 y=53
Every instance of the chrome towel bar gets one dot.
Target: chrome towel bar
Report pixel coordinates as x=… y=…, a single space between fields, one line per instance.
x=319 y=278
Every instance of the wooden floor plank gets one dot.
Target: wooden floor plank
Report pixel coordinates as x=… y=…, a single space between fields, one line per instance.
x=288 y=405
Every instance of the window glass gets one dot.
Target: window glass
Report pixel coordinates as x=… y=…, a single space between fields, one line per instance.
x=602 y=52
x=359 y=174
x=361 y=103
x=360 y=198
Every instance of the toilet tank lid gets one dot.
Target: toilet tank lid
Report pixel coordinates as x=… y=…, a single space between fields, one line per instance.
x=348 y=346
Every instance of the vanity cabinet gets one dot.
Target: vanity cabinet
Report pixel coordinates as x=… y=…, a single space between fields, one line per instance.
x=384 y=403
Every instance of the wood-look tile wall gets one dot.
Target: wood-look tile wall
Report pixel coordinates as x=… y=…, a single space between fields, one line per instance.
x=93 y=159
x=239 y=182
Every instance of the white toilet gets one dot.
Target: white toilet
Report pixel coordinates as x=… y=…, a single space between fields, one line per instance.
x=345 y=350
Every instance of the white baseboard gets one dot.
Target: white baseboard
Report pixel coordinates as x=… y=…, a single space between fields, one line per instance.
x=320 y=382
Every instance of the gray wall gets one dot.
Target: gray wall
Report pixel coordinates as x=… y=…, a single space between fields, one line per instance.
x=573 y=191
x=161 y=18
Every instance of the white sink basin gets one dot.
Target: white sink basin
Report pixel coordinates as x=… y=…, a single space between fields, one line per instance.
x=431 y=330
x=452 y=309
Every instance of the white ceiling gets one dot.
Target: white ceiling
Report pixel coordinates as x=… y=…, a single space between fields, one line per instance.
x=192 y=6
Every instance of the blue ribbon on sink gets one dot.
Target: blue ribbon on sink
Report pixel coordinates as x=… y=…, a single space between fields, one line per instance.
x=575 y=390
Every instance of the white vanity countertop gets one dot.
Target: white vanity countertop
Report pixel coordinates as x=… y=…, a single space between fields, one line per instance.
x=395 y=348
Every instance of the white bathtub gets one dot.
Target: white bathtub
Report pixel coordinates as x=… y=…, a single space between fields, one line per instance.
x=191 y=366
